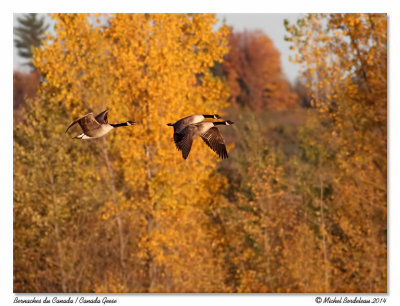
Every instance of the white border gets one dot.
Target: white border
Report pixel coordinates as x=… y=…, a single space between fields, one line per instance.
x=248 y=6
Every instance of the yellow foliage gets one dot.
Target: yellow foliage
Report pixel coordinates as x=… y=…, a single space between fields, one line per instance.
x=154 y=69
x=345 y=59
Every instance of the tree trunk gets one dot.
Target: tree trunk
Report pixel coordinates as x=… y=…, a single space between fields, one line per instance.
x=323 y=231
x=118 y=218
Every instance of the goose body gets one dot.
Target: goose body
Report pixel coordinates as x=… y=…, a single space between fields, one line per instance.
x=182 y=123
x=96 y=127
x=210 y=134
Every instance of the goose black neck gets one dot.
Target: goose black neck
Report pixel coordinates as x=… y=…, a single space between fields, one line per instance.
x=208 y=116
x=119 y=124
x=220 y=123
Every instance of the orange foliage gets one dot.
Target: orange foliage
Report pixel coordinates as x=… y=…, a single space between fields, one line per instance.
x=149 y=222
x=254 y=74
x=344 y=57
x=300 y=205
x=25 y=86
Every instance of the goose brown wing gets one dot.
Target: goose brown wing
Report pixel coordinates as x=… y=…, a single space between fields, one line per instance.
x=102 y=117
x=181 y=124
x=184 y=122
x=184 y=139
x=87 y=123
x=215 y=141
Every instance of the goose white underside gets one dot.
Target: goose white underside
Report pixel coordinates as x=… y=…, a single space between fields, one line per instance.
x=83 y=136
x=103 y=130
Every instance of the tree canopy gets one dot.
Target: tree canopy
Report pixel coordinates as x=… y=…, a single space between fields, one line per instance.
x=299 y=206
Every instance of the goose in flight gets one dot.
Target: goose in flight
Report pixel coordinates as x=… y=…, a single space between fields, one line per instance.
x=208 y=131
x=182 y=123
x=95 y=127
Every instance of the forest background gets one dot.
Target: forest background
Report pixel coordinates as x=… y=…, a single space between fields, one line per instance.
x=300 y=205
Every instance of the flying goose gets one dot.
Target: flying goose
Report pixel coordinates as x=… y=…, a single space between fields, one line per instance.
x=208 y=132
x=95 y=127
x=182 y=123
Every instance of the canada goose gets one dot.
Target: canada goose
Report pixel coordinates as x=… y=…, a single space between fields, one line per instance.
x=208 y=132
x=96 y=127
x=182 y=123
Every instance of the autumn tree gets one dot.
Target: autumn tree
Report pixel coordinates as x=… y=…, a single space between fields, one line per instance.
x=150 y=218
x=306 y=209
x=302 y=93
x=56 y=201
x=272 y=210
x=345 y=66
x=299 y=206
x=254 y=74
x=24 y=86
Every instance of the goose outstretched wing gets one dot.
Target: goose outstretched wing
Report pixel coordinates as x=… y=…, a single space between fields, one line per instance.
x=215 y=141
x=87 y=123
x=184 y=122
x=184 y=139
x=102 y=117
